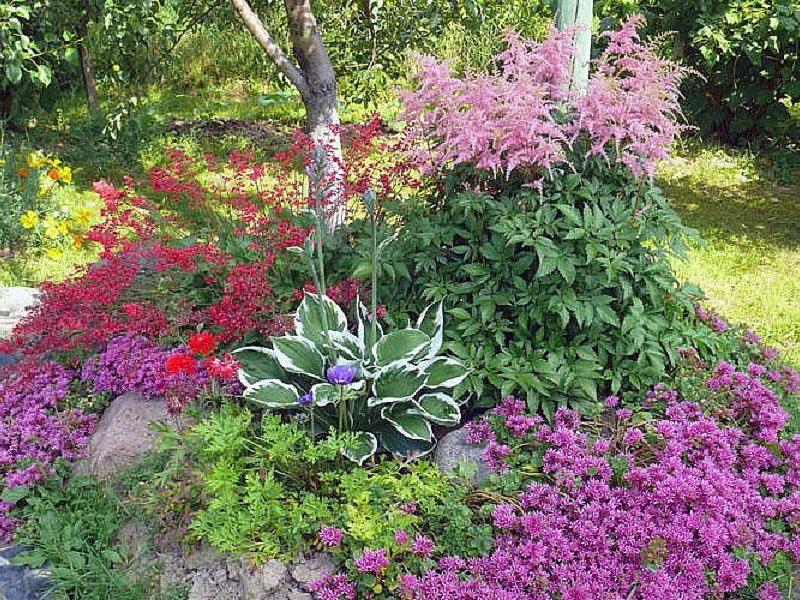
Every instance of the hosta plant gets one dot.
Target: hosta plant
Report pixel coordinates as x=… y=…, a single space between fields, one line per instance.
x=388 y=388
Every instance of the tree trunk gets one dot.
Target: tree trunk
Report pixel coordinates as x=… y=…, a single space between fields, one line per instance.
x=321 y=103
x=315 y=79
x=87 y=70
x=577 y=15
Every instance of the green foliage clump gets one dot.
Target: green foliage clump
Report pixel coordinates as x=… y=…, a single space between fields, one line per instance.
x=564 y=295
x=269 y=490
x=71 y=528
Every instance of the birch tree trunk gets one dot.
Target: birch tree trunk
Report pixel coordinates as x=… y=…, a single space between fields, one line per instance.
x=315 y=79
x=577 y=15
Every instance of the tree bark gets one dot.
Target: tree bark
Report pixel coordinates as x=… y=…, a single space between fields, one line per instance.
x=315 y=79
x=87 y=71
x=577 y=15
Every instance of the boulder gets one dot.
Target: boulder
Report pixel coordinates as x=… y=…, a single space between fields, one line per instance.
x=15 y=302
x=306 y=569
x=123 y=435
x=17 y=582
x=263 y=581
x=453 y=453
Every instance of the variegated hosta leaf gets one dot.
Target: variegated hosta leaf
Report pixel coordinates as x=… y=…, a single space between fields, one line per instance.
x=326 y=393
x=431 y=321
x=347 y=345
x=364 y=330
x=445 y=372
x=408 y=422
x=397 y=382
x=309 y=322
x=361 y=448
x=439 y=408
x=272 y=394
x=257 y=363
x=298 y=355
x=403 y=344
x=399 y=445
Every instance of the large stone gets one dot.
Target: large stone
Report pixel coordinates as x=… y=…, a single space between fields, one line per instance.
x=453 y=453
x=306 y=569
x=15 y=302
x=17 y=582
x=264 y=581
x=123 y=435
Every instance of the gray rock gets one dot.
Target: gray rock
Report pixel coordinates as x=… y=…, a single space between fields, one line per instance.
x=214 y=585
x=307 y=569
x=15 y=302
x=123 y=435
x=262 y=582
x=20 y=583
x=453 y=453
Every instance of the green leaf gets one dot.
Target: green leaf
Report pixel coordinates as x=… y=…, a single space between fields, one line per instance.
x=432 y=323
x=403 y=344
x=324 y=394
x=298 y=355
x=361 y=448
x=445 y=372
x=439 y=408
x=399 y=445
x=347 y=345
x=13 y=73
x=408 y=423
x=44 y=75
x=272 y=394
x=257 y=363
x=398 y=381
x=15 y=494
x=313 y=313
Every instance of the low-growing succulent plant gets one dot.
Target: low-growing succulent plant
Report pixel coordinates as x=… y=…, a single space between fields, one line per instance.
x=386 y=388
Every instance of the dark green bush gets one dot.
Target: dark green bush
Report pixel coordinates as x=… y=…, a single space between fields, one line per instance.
x=748 y=53
x=564 y=295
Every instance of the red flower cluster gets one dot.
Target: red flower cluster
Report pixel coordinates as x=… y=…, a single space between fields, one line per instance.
x=202 y=343
x=180 y=363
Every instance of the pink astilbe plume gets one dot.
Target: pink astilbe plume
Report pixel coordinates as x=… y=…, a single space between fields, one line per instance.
x=631 y=102
x=497 y=121
x=522 y=115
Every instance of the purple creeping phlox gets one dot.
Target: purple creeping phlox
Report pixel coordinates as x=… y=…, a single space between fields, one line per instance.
x=35 y=430
x=697 y=495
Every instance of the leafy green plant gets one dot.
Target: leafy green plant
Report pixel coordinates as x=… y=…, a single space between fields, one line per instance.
x=71 y=528
x=553 y=294
x=395 y=384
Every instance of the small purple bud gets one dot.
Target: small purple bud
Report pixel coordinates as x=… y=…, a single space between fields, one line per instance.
x=305 y=399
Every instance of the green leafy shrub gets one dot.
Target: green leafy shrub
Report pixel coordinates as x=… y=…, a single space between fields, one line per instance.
x=395 y=384
x=553 y=294
x=269 y=489
x=71 y=528
x=747 y=52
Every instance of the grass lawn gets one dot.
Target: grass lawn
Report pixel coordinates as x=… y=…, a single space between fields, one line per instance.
x=749 y=266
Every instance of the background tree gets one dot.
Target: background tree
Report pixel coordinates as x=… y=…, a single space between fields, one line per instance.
x=315 y=80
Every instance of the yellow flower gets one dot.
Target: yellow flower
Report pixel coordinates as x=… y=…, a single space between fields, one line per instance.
x=29 y=219
x=54 y=253
x=51 y=228
x=83 y=215
x=65 y=174
x=36 y=160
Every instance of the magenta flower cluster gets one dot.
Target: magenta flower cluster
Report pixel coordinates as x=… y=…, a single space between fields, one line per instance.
x=133 y=363
x=35 y=430
x=509 y=119
x=672 y=530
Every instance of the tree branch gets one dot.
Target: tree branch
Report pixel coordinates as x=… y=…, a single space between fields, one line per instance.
x=256 y=27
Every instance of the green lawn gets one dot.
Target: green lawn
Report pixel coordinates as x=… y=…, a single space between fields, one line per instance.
x=750 y=264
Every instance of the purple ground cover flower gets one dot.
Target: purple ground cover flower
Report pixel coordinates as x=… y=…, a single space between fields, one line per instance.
x=422 y=546
x=372 y=561
x=330 y=536
x=341 y=374
x=34 y=430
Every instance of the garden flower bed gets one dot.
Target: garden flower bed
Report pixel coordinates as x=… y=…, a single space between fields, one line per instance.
x=504 y=267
